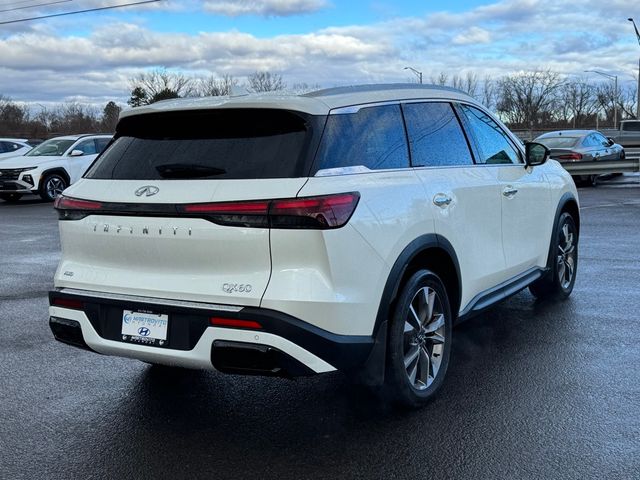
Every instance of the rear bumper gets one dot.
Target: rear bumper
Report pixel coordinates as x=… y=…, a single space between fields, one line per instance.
x=284 y=345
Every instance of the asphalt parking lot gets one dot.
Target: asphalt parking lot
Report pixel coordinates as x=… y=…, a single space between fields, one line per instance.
x=534 y=390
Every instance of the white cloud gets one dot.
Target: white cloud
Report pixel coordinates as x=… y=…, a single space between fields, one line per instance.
x=474 y=35
x=266 y=8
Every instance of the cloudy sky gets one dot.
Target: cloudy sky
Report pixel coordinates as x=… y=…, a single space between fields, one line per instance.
x=91 y=57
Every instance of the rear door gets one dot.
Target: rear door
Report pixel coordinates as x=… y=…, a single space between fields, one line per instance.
x=524 y=193
x=463 y=198
x=181 y=206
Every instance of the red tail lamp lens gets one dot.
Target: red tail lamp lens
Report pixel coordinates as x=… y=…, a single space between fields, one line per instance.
x=229 y=208
x=67 y=203
x=234 y=322
x=330 y=211
x=68 y=303
x=570 y=156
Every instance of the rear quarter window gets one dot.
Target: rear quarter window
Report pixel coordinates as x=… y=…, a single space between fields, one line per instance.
x=372 y=137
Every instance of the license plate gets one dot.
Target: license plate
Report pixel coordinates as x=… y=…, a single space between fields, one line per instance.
x=143 y=327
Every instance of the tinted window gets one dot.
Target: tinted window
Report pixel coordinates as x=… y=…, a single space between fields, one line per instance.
x=435 y=135
x=373 y=137
x=602 y=141
x=224 y=143
x=101 y=144
x=3 y=149
x=493 y=145
x=631 y=126
x=88 y=147
x=558 y=142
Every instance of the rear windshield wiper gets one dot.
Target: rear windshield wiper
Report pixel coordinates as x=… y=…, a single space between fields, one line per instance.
x=182 y=170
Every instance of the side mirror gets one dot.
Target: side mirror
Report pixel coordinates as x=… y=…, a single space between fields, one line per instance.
x=76 y=153
x=611 y=141
x=536 y=154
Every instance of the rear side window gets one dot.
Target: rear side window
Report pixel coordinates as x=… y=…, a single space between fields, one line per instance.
x=435 y=135
x=373 y=137
x=493 y=145
x=214 y=144
x=631 y=126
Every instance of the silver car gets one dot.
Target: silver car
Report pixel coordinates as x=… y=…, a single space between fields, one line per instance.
x=581 y=145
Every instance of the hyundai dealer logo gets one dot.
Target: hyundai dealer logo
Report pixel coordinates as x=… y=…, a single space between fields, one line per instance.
x=144 y=331
x=147 y=191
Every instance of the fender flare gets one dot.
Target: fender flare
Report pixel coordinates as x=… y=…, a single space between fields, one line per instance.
x=373 y=370
x=58 y=170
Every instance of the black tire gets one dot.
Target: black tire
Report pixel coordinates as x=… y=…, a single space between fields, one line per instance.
x=556 y=283
x=413 y=382
x=52 y=185
x=10 y=197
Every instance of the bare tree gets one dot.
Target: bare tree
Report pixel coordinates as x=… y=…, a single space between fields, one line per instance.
x=441 y=79
x=468 y=83
x=213 y=86
x=301 y=88
x=266 y=82
x=528 y=98
x=159 y=84
x=488 y=96
x=628 y=101
x=578 y=102
x=608 y=99
x=75 y=118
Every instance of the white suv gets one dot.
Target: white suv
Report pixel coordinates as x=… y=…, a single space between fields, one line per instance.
x=50 y=167
x=345 y=229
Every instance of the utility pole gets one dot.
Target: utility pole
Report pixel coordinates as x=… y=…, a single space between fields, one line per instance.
x=638 y=97
x=419 y=74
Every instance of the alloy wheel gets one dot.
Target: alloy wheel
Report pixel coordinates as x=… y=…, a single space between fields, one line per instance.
x=566 y=258
x=54 y=187
x=424 y=338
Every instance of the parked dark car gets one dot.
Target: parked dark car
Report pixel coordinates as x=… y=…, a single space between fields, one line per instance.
x=581 y=145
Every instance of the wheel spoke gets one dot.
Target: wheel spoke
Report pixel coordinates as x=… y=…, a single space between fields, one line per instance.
x=436 y=323
x=429 y=298
x=561 y=269
x=435 y=339
x=414 y=319
x=411 y=356
x=425 y=368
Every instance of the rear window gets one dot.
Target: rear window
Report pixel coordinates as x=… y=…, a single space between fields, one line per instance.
x=213 y=144
x=558 y=142
x=631 y=126
x=373 y=137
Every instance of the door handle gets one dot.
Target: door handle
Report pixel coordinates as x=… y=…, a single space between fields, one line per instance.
x=441 y=200
x=509 y=191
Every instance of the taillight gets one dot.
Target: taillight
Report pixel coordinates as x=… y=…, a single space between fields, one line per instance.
x=238 y=214
x=330 y=211
x=75 y=208
x=573 y=156
x=67 y=303
x=234 y=322
x=322 y=212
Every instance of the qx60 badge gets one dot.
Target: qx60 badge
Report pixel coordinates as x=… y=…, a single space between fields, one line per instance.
x=147 y=191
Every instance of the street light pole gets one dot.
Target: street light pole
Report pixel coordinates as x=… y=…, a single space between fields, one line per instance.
x=419 y=74
x=638 y=97
x=615 y=100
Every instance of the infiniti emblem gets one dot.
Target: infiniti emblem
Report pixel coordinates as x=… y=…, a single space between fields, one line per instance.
x=147 y=191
